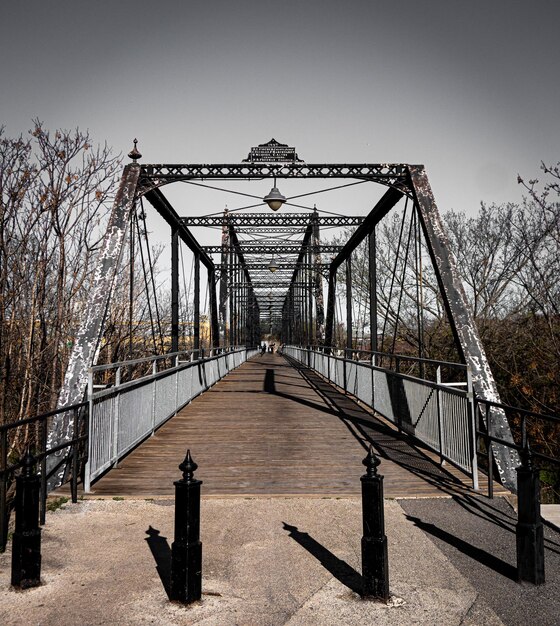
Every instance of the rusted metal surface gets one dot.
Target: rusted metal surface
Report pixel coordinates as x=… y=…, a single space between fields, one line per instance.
x=462 y=321
x=87 y=341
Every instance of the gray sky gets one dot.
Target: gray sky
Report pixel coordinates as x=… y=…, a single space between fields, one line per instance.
x=470 y=89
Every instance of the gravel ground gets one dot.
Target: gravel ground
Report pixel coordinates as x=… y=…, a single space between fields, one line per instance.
x=477 y=535
x=266 y=561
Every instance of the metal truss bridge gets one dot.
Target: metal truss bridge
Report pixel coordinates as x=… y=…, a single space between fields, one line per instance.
x=382 y=283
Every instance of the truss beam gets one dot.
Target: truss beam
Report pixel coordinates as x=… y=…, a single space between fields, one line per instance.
x=462 y=321
x=272 y=220
x=156 y=198
x=250 y=248
x=156 y=175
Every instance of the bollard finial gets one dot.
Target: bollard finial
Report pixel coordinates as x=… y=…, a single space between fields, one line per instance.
x=188 y=467
x=28 y=463
x=371 y=462
x=527 y=456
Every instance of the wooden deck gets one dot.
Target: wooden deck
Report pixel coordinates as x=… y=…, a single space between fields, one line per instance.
x=266 y=429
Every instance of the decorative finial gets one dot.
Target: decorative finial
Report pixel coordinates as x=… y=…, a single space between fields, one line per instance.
x=134 y=154
x=371 y=462
x=188 y=467
x=526 y=455
x=28 y=463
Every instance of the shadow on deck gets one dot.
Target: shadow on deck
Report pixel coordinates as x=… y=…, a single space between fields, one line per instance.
x=272 y=427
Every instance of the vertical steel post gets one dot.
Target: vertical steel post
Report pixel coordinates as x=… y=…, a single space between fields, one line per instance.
x=43 y=472
x=214 y=321
x=349 y=305
x=472 y=429
x=317 y=281
x=439 y=416
x=309 y=282
x=87 y=469
x=75 y=446
x=26 y=543
x=372 y=248
x=186 y=550
x=174 y=290
x=375 y=559
x=529 y=528
x=196 y=328
x=329 y=327
x=224 y=277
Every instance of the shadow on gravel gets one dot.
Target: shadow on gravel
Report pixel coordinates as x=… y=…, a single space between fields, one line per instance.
x=162 y=556
x=483 y=557
x=347 y=575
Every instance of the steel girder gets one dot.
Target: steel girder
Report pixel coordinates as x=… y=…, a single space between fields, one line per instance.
x=462 y=321
x=272 y=220
x=156 y=175
x=88 y=338
x=250 y=248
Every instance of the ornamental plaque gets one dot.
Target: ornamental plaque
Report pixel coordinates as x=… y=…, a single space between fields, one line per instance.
x=272 y=151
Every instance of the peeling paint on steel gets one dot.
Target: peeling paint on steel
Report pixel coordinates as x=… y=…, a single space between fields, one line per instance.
x=507 y=459
x=87 y=341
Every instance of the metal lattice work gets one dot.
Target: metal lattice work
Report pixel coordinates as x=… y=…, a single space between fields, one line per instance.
x=250 y=248
x=272 y=222
x=156 y=175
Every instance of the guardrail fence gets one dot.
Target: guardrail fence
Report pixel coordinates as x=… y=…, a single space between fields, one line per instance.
x=120 y=411
x=124 y=414
x=440 y=415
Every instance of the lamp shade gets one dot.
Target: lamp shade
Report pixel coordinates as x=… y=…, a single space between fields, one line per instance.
x=274 y=199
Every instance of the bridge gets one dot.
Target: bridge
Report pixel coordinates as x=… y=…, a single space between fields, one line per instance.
x=275 y=391
x=273 y=426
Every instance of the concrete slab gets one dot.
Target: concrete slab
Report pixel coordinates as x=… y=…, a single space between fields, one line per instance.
x=266 y=561
x=551 y=513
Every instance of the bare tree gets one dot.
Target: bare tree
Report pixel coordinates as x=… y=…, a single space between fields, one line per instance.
x=55 y=190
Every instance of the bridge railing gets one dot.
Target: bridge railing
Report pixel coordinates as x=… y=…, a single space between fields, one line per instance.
x=537 y=432
x=124 y=414
x=438 y=414
x=33 y=432
x=114 y=418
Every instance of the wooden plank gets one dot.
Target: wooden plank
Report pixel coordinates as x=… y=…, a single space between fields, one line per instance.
x=267 y=430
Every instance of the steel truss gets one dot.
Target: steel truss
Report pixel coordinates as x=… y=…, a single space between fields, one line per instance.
x=251 y=248
x=272 y=220
x=296 y=315
x=156 y=175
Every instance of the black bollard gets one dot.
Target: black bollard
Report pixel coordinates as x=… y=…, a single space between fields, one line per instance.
x=375 y=560
x=529 y=529
x=26 y=543
x=186 y=550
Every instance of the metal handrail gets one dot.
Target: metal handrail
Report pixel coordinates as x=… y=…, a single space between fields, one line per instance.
x=40 y=453
x=392 y=355
x=428 y=424
x=479 y=406
x=118 y=423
